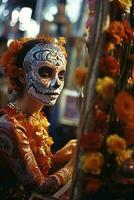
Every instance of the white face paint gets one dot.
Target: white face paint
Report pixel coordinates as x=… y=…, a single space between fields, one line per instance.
x=45 y=67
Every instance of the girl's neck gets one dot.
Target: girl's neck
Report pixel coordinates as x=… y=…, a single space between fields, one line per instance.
x=28 y=104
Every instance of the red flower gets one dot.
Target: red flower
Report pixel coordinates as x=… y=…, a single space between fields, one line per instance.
x=129 y=134
x=109 y=66
x=116 y=32
x=91 y=141
x=92 y=185
x=101 y=118
x=128 y=31
x=20 y=116
x=9 y=110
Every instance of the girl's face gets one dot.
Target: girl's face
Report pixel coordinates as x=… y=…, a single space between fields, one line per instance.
x=45 y=67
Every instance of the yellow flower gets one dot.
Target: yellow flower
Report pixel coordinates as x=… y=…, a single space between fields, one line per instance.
x=115 y=144
x=125 y=4
x=105 y=86
x=92 y=162
x=123 y=155
x=39 y=120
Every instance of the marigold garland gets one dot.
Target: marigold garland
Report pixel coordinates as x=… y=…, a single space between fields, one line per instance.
x=36 y=130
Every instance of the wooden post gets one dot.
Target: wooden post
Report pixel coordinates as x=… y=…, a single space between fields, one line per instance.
x=87 y=114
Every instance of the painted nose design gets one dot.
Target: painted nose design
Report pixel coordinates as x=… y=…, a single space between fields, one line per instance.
x=54 y=83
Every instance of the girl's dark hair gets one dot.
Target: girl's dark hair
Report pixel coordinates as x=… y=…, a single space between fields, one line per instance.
x=22 y=53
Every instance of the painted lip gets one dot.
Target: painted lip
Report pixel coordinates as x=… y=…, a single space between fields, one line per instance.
x=45 y=93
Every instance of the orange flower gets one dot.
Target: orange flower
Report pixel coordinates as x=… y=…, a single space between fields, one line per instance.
x=91 y=141
x=10 y=111
x=92 y=162
x=124 y=107
x=122 y=156
x=130 y=125
x=128 y=31
x=20 y=116
x=108 y=46
x=109 y=66
x=15 y=46
x=79 y=76
x=115 y=144
x=92 y=185
x=116 y=32
x=131 y=81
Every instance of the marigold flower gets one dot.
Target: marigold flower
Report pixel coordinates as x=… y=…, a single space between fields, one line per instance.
x=116 y=32
x=92 y=185
x=62 y=40
x=20 y=116
x=92 y=162
x=15 y=46
x=124 y=107
x=109 y=66
x=128 y=31
x=91 y=141
x=79 y=76
x=131 y=81
x=42 y=122
x=105 y=86
x=115 y=144
x=109 y=46
x=123 y=155
x=124 y=4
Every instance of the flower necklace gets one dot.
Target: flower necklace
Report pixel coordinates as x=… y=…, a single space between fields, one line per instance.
x=36 y=130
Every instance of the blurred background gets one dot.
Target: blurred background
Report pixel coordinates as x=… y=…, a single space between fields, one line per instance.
x=56 y=18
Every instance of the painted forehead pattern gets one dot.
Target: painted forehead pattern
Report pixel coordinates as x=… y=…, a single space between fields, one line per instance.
x=44 y=52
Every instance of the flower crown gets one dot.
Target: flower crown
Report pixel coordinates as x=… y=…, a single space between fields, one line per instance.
x=8 y=58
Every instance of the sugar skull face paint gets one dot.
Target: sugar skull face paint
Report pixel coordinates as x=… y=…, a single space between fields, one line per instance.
x=45 y=66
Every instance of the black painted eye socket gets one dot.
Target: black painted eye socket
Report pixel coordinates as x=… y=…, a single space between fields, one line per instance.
x=45 y=72
x=61 y=75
